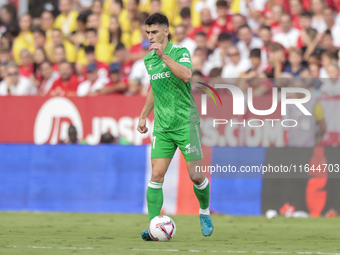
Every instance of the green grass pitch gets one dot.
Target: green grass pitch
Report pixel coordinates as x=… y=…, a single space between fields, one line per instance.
x=80 y=233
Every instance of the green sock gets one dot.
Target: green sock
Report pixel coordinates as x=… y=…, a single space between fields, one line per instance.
x=203 y=193
x=154 y=197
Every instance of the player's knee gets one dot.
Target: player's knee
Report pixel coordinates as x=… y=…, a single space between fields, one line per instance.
x=197 y=178
x=157 y=177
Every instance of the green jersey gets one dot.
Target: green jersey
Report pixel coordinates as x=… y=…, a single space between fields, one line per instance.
x=174 y=106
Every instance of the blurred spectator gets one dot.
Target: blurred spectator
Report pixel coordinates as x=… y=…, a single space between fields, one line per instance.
x=138 y=70
x=155 y=6
x=39 y=36
x=93 y=84
x=206 y=24
x=196 y=74
x=8 y=18
x=5 y=53
x=97 y=9
x=252 y=10
x=3 y=71
x=202 y=43
x=122 y=57
x=294 y=64
x=309 y=38
x=107 y=138
x=60 y=56
x=305 y=19
x=236 y=66
x=314 y=71
x=25 y=39
x=103 y=51
x=215 y=72
x=318 y=22
x=289 y=35
x=102 y=68
x=67 y=83
x=67 y=19
x=331 y=86
x=38 y=58
x=47 y=23
x=116 y=34
x=93 y=21
x=238 y=21
x=334 y=28
x=72 y=136
x=327 y=41
x=219 y=56
x=185 y=14
x=48 y=76
x=26 y=68
x=131 y=21
x=257 y=64
x=327 y=58
x=14 y=84
x=248 y=42
x=183 y=40
x=116 y=84
x=78 y=37
x=136 y=51
x=266 y=38
x=57 y=39
x=135 y=88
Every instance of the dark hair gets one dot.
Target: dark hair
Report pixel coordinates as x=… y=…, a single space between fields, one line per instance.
x=243 y=26
x=201 y=33
x=306 y=15
x=255 y=53
x=215 y=72
x=265 y=28
x=89 y=49
x=287 y=14
x=56 y=29
x=64 y=62
x=84 y=15
x=221 y=3
x=60 y=46
x=120 y=46
x=40 y=31
x=11 y=9
x=91 y=30
x=107 y=138
x=222 y=37
x=197 y=72
x=157 y=18
x=119 y=2
x=46 y=62
x=185 y=13
x=142 y=16
x=37 y=66
x=328 y=32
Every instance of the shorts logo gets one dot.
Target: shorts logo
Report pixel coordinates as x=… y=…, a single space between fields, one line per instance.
x=190 y=149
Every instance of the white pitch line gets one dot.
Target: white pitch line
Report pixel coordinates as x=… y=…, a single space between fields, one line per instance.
x=76 y=248
x=40 y=247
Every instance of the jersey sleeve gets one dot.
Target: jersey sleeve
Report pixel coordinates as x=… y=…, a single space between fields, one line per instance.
x=183 y=57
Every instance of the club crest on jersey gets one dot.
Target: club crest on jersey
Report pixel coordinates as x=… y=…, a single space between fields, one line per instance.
x=150 y=67
x=163 y=65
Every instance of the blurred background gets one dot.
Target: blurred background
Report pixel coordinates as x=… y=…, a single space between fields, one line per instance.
x=72 y=73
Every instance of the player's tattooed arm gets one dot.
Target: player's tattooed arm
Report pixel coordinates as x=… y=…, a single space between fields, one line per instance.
x=182 y=72
x=148 y=106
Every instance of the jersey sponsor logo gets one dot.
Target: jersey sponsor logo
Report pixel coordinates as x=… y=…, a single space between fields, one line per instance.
x=157 y=76
x=185 y=60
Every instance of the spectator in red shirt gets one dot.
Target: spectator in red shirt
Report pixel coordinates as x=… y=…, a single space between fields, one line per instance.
x=27 y=67
x=122 y=57
x=67 y=83
x=206 y=24
x=102 y=68
x=117 y=83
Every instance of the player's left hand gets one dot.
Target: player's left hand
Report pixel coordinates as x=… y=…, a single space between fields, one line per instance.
x=158 y=49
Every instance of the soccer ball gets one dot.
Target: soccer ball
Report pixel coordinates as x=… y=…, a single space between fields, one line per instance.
x=162 y=228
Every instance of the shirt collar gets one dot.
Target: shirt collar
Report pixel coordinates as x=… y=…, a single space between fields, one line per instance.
x=168 y=47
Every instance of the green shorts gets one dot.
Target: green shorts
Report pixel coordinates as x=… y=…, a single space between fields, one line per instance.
x=164 y=144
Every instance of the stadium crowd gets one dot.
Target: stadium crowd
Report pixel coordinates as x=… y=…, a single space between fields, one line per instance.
x=96 y=47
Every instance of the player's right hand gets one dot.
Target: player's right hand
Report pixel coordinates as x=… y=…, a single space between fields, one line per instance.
x=142 y=126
